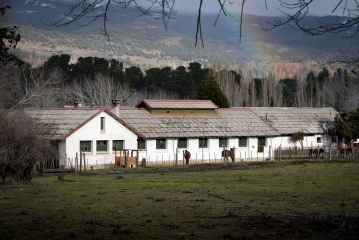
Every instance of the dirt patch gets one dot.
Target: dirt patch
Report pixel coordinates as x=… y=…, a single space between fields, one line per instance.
x=210 y=167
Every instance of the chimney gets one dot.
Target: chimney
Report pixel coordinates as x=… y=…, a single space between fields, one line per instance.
x=116 y=106
x=77 y=103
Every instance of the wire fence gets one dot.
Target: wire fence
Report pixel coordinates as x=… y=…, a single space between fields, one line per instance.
x=323 y=152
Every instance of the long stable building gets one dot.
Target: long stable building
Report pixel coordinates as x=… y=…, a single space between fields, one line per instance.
x=160 y=130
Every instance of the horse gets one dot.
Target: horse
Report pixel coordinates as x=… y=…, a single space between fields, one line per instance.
x=187 y=156
x=345 y=152
x=317 y=152
x=228 y=153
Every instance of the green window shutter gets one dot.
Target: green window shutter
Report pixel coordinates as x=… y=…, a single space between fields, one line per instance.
x=160 y=143
x=222 y=142
x=101 y=146
x=242 y=142
x=141 y=144
x=85 y=146
x=117 y=145
x=182 y=143
x=261 y=142
x=203 y=142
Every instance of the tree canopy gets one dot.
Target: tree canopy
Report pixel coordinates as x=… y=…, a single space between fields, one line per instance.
x=9 y=37
x=209 y=89
x=346 y=125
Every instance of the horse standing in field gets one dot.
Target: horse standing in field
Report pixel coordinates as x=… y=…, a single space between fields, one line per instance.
x=317 y=152
x=345 y=152
x=228 y=153
x=187 y=156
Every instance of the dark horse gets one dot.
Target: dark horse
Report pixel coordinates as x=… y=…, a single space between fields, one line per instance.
x=345 y=152
x=228 y=153
x=317 y=152
x=187 y=156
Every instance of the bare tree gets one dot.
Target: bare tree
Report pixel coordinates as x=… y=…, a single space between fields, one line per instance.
x=226 y=80
x=100 y=90
x=26 y=87
x=342 y=90
x=22 y=144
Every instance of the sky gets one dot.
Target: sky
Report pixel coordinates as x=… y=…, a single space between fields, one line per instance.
x=255 y=7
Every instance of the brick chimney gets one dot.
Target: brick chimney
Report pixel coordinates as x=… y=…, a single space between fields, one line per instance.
x=116 y=106
x=77 y=103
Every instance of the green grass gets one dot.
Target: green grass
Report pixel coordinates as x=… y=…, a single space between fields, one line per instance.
x=190 y=203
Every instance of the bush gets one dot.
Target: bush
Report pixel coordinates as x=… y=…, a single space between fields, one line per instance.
x=22 y=144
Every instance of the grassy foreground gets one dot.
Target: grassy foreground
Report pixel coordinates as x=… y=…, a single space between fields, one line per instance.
x=251 y=201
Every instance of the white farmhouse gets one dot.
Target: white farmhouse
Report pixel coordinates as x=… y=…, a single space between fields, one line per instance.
x=91 y=130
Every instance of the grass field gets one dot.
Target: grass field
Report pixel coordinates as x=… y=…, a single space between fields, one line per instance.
x=234 y=201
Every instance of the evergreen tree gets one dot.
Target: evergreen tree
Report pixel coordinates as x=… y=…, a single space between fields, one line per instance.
x=58 y=61
x=209 y=89
x=134 y=77
x=9 y=37
x=289 y=91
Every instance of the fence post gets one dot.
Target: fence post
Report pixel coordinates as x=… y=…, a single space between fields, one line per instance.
x=234 y=154
x=80 y=162
x=126 y=159
x=137 y=159
x=84 y=163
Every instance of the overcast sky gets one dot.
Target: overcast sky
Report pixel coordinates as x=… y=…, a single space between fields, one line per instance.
x=255 y=7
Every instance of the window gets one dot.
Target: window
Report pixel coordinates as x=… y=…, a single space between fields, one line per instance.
x=160 y=143
x=202 y=142
x=182 y=143
x=261 y=142
x=102 y=124
x=334 y=138
x=117 y=144
x=222 y=142
x=319 y=140
x=242 y=142
x=141 y=144
x=85 y=146
x=101 y=146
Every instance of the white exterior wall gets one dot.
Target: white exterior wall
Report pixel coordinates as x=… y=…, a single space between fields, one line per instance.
x=91 y=131
x=308 y=142
x=213 y=153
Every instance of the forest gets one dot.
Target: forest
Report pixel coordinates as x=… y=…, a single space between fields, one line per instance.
x=338 y=89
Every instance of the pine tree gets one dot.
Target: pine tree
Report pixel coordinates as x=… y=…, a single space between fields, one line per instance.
x=209 y=89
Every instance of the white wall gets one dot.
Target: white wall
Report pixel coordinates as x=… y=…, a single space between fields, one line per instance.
x=91 y=131
x=210 y=154
x=308 y=142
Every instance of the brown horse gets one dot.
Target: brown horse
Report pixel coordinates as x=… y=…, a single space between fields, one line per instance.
x=317 y=152
x=228 y=153
x=345 y=152
x=187 y=156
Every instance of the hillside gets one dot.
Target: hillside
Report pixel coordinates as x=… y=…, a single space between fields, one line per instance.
x=144 y=41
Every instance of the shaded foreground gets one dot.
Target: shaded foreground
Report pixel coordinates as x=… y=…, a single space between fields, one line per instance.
x=234 y=201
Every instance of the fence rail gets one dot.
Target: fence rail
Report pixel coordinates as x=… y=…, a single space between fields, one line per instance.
x=323 y=152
